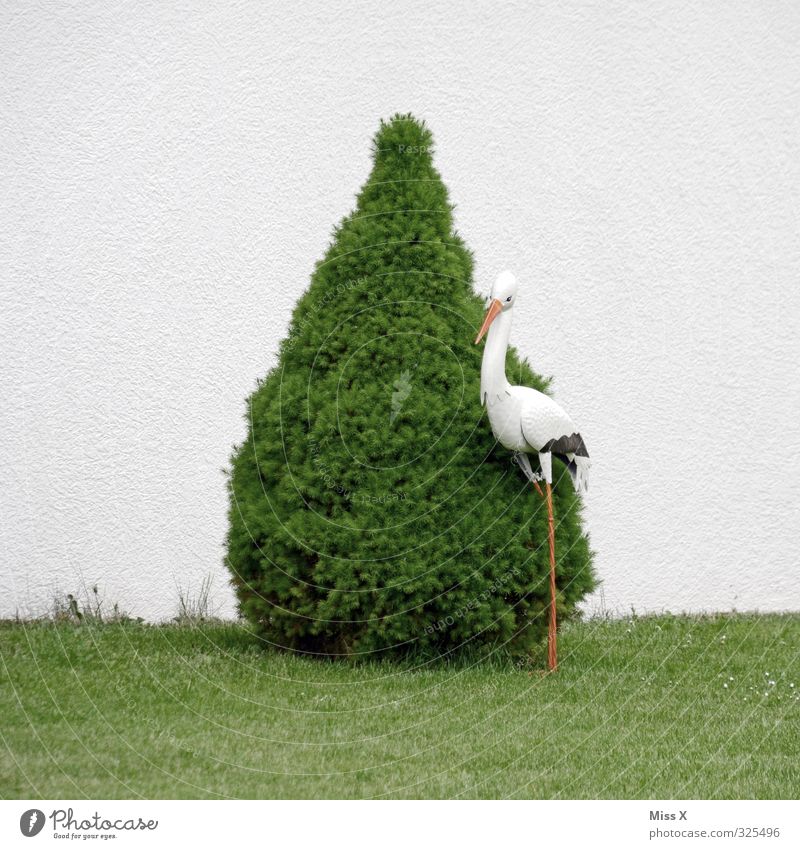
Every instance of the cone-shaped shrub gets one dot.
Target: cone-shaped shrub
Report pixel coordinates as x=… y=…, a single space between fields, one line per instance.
x=370 y=506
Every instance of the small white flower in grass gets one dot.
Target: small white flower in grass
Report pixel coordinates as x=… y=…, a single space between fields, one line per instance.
x=730 y=678
x=725 y=686
x=771 y=683
x=792 y=686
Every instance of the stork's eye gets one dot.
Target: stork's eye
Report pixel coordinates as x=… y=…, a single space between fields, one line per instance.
x=508 y=298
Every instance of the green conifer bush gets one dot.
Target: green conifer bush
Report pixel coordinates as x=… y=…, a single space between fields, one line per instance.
x=371 y=509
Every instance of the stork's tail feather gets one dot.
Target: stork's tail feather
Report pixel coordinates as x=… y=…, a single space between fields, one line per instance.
x=579 y=469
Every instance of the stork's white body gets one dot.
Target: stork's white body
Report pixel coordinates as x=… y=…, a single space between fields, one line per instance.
x=524 y=420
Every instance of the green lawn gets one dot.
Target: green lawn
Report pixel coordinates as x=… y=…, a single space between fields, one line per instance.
x=639 y=708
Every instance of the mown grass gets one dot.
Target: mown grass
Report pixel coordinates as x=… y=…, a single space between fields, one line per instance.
x=638 y=709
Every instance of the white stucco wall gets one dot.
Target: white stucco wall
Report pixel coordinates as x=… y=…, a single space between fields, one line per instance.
x=172 y=171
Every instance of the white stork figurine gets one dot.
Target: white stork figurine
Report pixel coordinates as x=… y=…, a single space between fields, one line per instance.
x=526 y=421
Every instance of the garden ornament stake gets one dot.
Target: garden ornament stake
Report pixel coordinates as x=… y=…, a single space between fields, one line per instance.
x=528 y=422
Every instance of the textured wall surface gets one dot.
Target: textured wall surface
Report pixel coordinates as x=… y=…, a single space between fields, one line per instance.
x=172 y=171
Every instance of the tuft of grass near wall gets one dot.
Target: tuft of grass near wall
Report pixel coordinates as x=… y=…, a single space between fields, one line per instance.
x=88 y=607
x=652 y=707
x=194 y=608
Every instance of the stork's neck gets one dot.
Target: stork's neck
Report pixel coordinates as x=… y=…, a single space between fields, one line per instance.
x=493 y=367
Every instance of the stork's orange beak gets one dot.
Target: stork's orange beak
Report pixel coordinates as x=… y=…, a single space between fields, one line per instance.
x=491 y=314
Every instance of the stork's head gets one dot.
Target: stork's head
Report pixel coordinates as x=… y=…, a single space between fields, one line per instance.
x=504 y=293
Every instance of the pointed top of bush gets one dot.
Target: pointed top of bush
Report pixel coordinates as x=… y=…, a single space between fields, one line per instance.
x=403 y=142
x=370 y=508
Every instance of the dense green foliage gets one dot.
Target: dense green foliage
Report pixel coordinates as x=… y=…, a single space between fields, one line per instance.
x=370 y=507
